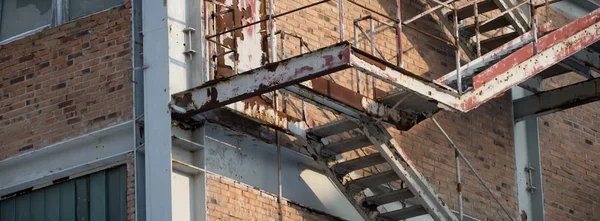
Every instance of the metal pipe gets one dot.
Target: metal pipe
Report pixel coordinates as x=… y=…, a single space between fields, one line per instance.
x=533 y=25
x=445 y=4
x=341 y=18
x=372 y=36
x=278 y=143
x=372 y=11
x=458 y=186
x=264 y=20
x=431 y=36
x=282 y=36
x=376 y=19
x=504 y=12
x=356 y=70
x=471 y=168
x=273 y=53
x=477 y=34
x=235 y=46
x=426 y=12
x=457 y=50
x=370 y=41
x=398 y=34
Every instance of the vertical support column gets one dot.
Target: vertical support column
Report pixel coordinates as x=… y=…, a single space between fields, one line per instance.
x=457 y=49
x=272 y=46
x=157 y=121
x=341 y=18
x=399 y=33
x=528 y=165
x=477 y=34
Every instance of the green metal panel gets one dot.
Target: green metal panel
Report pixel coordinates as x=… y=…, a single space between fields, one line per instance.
x=113 y=184
x=98 y=196
x=52 y=201
x=7 y=212
x=37 y=206
x=101 y=196
x=83 y=200
x=67 y=201
x=23 y=209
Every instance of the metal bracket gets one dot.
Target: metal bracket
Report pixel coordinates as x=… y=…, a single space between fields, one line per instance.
x=529 y=169
x=190 y=51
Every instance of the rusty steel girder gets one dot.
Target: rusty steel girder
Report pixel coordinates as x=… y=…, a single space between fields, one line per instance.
x=268 y=78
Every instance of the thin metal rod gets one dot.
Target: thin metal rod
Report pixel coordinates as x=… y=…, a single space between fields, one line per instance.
x=267 y=19
x=282 y=37
x=356 y=70
x=273 y=52
x=547 y=3
x=376 y=19
x=431 y=36
x=373 y=11
x=533 y=24
x=278 y=142
x=399 y=34
x=370 y=40
x=458 y=186
x=235 y=52
x=504 y=12
x=457 y=50
x=372 y=36
x=445 y=4
x=477 y=34
x=341 y=18
x=471 y=168
x=426 y=12
x=393 y=107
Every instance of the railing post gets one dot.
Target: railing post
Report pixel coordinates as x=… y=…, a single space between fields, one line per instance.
x=399 y=33
x=458 y=186
x=532 y=23
x=341 y=18
x=457 y=49
x=356 y=71
x=273 y=54
x=477 y=37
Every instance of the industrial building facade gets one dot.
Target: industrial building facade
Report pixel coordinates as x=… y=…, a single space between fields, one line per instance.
x=299 y=110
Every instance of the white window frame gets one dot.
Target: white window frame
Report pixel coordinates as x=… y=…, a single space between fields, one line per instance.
x=59 y=16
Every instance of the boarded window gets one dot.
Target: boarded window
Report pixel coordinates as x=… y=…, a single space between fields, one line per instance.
x=99 y=196
x=20 y=16
x=82 y=8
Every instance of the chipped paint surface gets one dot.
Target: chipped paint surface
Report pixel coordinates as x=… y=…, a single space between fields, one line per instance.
x=476 y=65
x=257 y=109
x=268 y=78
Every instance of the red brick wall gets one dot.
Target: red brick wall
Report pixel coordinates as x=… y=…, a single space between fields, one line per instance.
x=230 y=200
x=66 y=81
x=570 y=149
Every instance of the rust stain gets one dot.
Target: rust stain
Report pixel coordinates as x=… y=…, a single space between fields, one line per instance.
x=370 y=61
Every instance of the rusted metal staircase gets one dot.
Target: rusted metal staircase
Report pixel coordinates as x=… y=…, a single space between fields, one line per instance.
x=511 y=59
x=392 y=177
x=512 y=31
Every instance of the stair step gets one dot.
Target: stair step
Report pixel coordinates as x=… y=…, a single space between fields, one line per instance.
x=497 y=41
x=346 y=167
x=374 y=180
x=385 y=198
x=347 y=145
x=405 y=213
x=497 y=23
x=482 y=7
x=333 y=128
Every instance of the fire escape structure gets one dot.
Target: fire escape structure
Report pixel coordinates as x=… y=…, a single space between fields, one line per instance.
x=497 y=64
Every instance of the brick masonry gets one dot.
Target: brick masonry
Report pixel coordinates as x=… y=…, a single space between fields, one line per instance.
x=231 y=200
x=570 y=148
x=66 y=81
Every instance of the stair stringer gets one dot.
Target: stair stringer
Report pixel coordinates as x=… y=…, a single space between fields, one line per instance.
x=399 y=161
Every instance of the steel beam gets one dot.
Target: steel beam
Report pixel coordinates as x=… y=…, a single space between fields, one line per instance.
x=526 y=63
x=273 y=76
x=528 y=164
x=551 y=101
x=479 y=64
x=157 y=123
